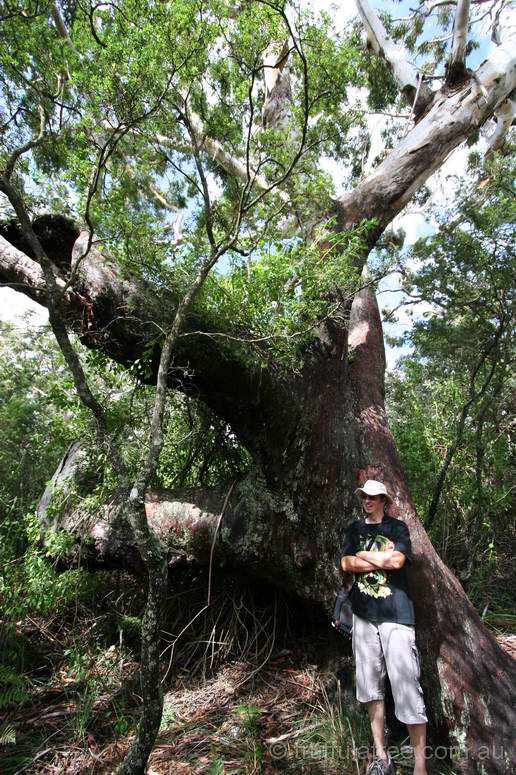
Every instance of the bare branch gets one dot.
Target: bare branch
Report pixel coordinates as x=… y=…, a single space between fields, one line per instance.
x=439 y=4
x=59 y=23
x=397 y=57
x=277 y=107
x=227 y=161
x=424 y=10
x=504 y=117
x=456 y=67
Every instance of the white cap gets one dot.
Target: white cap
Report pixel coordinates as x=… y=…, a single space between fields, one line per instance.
x=372 y=487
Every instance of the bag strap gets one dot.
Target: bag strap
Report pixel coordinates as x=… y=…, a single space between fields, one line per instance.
x=369 y=543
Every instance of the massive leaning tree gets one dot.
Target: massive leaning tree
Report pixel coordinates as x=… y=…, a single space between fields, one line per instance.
x=231 y=105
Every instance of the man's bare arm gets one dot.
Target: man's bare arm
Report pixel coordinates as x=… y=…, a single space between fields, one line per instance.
x=354 y=564
x=388 y=560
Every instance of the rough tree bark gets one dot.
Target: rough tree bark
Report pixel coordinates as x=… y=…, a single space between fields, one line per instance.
x=313 y=435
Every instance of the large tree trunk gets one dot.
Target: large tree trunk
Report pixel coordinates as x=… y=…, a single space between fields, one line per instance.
x=283 y=523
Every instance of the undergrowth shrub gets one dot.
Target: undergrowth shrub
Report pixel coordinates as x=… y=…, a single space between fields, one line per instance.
x=29 y=580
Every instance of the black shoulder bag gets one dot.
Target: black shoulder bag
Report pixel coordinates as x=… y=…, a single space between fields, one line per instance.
x=343 y=613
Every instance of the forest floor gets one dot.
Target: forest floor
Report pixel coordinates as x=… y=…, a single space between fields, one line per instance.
x=278 y=701
x=279 y=718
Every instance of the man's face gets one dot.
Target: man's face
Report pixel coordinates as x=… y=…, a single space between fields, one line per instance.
x=373 y=505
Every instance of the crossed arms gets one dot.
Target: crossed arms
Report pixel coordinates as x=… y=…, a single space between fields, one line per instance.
x=390 y=559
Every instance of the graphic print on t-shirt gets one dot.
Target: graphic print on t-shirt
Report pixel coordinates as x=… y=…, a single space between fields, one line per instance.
x=374 y=583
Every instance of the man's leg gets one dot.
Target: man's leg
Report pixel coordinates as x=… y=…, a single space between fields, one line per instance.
x=376 y=711
x=417 y=734
x=402 y=661
x=370 y=679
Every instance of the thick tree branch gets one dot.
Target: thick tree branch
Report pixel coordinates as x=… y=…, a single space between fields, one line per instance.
x=21 y=273
x=456 y=68
x=251 y=535
x=498 y=70
x=451 y=120
x=124 y=316
x=415 y=91
x=59 y=23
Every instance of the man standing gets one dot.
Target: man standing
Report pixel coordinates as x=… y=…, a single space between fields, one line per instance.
x=376 y=550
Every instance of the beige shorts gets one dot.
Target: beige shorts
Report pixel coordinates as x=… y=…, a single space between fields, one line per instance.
x=389 y=647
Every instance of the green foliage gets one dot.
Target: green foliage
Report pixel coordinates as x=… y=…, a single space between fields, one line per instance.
x=82 y=717
x=453 y=394
x=199 y=448
x=40 y=415
x=282 y=295
x=249 y=715
x=382 y=89
x=217 y=767
x=13 y=687
x=99 y=671
x=131 y=625
x=334 y=735
x=122 y=724
x=7 y=734
x=68 y=653
x=168 y=717
x=121 y=80
x=29 y=582
x=37 y=401
x=251 y=743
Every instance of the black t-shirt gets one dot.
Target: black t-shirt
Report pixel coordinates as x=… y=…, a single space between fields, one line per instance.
x=380 y=595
